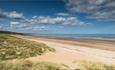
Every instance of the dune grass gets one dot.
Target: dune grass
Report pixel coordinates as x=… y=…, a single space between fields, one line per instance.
x=29 y=65
x=12 y=47
x=88 y=65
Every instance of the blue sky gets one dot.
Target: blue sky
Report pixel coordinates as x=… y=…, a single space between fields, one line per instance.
x=58 y=16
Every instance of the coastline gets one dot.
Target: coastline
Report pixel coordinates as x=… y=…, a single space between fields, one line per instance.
x=93 y=42
x=69 y=51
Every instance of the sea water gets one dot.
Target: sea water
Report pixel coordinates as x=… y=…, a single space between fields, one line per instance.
x=110 y=36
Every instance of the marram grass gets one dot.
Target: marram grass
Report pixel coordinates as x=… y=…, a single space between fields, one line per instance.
x=29 y=65
x=12 y=47
x=88 y=65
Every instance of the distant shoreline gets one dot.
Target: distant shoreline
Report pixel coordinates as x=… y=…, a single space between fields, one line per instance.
x=99 y=36
x=106 y=44
x=79 y=39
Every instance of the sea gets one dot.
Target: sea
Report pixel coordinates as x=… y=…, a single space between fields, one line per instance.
x=75 y=36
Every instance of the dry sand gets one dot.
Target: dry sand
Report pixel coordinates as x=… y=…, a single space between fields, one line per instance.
x=68 y=53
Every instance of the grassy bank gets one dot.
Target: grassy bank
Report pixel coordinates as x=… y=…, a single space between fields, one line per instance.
x=88 y=65
x=29 y=65
x=12 y=47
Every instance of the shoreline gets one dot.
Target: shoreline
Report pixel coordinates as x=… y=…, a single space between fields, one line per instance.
x=72 y=38
x=100 y=43
x=79 y=39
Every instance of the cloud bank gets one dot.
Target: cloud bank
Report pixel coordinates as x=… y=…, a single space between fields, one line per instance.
x=19 y=21
x=34 y=24
x=96 y=9
x=55 y=20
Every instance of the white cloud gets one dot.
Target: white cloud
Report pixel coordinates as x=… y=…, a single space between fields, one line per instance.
x=14 y=23
x=63 y=14
x=39 y=28
x=18 y=25
x=12 y=15
x=15 y=15
x=98 y=9
x=54 y=20
x=34 y=24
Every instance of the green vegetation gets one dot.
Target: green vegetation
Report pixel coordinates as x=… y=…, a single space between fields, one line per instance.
x=85 y=65
x=16 y=48
x=29 y=65
x=12 y=47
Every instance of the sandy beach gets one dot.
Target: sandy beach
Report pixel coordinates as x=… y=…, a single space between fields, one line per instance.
x=68 y=52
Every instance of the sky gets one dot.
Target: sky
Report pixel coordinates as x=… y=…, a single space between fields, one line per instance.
x=58 y=16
